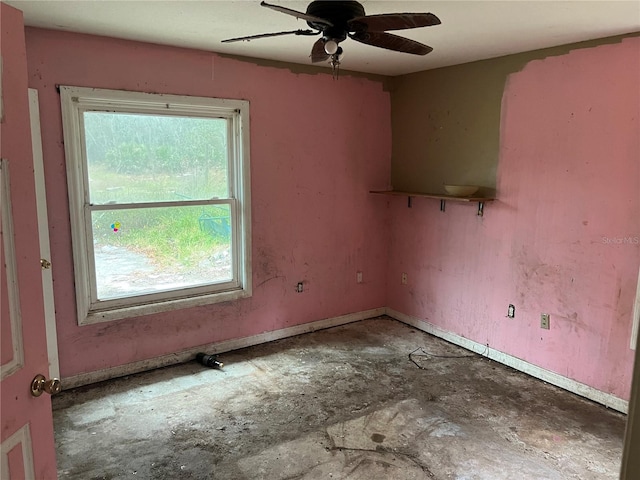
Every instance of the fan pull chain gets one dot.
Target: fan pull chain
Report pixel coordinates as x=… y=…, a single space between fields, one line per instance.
x=335 y=65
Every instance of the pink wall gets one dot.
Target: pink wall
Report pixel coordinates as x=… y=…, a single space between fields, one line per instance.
x=317 y=147
x=568 y=177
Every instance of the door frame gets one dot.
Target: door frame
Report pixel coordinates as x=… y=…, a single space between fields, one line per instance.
x=43 y=233
x=636 y=316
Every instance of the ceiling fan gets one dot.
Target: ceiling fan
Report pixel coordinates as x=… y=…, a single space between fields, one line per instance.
x=337 y=20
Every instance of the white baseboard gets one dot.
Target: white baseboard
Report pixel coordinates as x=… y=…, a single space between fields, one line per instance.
x=218 y=347
x=606 y=399
x=548 y=376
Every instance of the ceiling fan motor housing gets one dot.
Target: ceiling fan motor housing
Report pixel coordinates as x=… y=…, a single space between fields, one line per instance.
x=338 y=13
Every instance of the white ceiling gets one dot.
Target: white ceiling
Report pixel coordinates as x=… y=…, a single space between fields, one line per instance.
x=470 y=30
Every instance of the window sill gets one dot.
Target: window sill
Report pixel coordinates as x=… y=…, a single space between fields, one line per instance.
x=132 y=311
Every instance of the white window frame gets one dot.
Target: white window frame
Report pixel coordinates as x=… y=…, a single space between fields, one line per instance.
x=74 y=102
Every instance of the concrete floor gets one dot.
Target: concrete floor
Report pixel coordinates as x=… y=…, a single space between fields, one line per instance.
x=343 y=403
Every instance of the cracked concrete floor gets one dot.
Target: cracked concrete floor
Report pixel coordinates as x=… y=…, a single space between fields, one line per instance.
x=342 y=403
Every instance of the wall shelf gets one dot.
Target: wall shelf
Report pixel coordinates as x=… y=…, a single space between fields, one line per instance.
x=443 y=198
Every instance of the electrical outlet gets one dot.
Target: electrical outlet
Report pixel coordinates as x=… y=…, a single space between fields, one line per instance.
x=359 y=277
x=511 y=311
x=300 y=287
x=545 y=321
x=404 y=279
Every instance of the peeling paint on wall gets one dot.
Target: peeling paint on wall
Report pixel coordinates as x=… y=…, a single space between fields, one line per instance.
x=568 y=176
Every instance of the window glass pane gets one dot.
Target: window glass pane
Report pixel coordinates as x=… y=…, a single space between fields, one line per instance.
x=149 y=250
x=135 y=158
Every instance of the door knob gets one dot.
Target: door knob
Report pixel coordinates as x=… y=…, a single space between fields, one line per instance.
x=40 y=384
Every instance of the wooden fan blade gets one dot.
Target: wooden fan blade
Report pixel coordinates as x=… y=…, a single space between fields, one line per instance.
x=318 y=53
x=295 y=13
x=266 y=35
x=392 y=21
x=391 y=42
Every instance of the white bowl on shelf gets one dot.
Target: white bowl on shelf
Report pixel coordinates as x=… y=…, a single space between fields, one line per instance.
x=461 y=190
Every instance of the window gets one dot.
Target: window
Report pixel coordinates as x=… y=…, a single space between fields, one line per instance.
x=159 y=196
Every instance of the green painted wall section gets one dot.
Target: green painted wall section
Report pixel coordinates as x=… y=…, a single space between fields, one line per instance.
x=446 y=121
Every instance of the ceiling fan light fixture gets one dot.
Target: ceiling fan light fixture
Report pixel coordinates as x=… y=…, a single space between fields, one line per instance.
x=331 y=46
x=338 y=20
